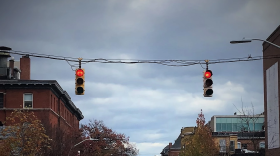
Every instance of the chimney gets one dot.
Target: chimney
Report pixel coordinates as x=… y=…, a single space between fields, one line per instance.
x=3 y=64
x=25 y=67
x=11 y=65
x=170 y=144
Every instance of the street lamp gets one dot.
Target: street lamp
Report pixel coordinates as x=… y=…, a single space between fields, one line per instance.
x=82 y=142
x=3 y=48
x=250 y=40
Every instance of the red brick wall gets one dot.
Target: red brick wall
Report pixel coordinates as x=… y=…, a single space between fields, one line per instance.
x=14 y=98
x=250 y=144
x=174 y=153
x=2 y=116
x=42 y=98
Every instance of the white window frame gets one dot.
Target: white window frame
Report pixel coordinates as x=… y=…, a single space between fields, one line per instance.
x=261 y=143
x=222 y=144
x=238 y=145
x=24 y=100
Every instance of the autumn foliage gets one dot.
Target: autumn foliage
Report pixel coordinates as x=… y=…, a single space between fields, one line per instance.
x=104 y=141
x=201 y=142
x=25 y=135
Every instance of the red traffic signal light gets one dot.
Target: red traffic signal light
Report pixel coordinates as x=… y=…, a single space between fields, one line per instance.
x=208 y=74
x=79 y=72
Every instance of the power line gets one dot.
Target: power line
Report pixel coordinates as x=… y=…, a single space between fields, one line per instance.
x=44 y=56
x=174 y=63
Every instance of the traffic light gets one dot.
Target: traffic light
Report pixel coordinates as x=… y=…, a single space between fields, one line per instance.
x=80 y=81
x=207 y=83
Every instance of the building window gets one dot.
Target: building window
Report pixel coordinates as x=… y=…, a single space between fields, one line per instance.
x=51 y=103
x=234 y=127
x=238 y=145
x=218 y=127
x=262 y=144
x=222 y=145
x=258 y=126
x=224 y=127
x=231 y=145
x=244 y=146
x=54 y=101
x=229 y=127
x=1 y=100
x=28 y=101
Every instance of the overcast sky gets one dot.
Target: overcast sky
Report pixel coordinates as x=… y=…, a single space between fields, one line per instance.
x=148 y=102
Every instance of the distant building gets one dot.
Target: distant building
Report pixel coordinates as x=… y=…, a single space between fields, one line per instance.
x=271 y=81
x=227 y=142
x=164 y=152
x=236 y=123
x=50 y=103
x=249 y=131
x=174 y=149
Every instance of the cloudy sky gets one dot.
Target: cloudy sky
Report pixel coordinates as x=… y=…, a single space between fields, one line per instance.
x=148 y=102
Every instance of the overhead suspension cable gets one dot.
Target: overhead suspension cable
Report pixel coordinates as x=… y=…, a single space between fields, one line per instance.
x=175 y=63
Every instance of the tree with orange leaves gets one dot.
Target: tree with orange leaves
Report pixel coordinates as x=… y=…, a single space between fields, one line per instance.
x=201 y=142
x=99 y=140
x=25 y=135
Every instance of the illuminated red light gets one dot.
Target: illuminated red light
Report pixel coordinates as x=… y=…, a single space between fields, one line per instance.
x=79 y=72
x=207 y=74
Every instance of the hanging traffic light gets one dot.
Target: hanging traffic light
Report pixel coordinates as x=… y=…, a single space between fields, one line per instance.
x=207 y=83
x=80 y=81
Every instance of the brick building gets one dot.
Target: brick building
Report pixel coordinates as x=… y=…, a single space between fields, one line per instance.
x=50 y=103
x=271 y=93
x=175 y=149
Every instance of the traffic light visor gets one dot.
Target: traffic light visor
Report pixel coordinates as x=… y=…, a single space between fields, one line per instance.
x=79 y=72
x=208 y=74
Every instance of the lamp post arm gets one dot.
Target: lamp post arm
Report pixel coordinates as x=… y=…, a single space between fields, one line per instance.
x=77 y=145
x=80 y=143
x=250 y=40
x=266 y=42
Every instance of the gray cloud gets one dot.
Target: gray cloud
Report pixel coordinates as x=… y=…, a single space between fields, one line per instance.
x=148 y=102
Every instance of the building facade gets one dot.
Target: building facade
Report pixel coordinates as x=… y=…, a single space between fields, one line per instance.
x=175 y=149
x=227 y=142
x=49 y=102
x=237 y=123
x=249 y=131
x=271 y=93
